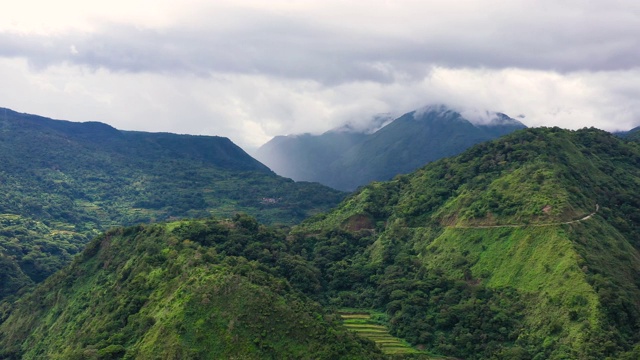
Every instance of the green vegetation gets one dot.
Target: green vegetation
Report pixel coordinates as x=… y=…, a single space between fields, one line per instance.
x=420 y=250
x=63 y=183
x=176 y=291
x=475 y=257
x=367 y=326
x=632 y=135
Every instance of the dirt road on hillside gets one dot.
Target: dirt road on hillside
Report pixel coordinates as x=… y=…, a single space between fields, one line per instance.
x=587 y=217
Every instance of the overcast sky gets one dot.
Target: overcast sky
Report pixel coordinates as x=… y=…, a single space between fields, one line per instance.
x=250 y=70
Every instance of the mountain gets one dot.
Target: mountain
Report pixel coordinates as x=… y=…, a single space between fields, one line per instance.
x=633 y=134
x=178 y=291
x=525 y=247
x=348 y=159
x=64 y=182
x=306 y=157
x=521 y=248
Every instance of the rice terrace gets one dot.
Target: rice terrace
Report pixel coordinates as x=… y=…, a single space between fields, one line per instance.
x=368 y=326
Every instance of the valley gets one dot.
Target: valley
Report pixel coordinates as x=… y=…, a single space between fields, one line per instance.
x=319 y=180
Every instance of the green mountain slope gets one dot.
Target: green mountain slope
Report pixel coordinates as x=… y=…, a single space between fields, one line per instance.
x=521 y=248
x=633 y=134
x=493 y=253
x=348 y=159
x=178 y=290
x=63 y=183
x=410 y=142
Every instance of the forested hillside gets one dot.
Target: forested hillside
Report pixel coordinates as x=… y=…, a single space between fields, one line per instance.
x=633 y=134
x=63 y=183
x=493 y=254
x=182 y=290
x=521 y=248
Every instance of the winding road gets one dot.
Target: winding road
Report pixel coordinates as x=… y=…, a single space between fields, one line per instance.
x=525 y=225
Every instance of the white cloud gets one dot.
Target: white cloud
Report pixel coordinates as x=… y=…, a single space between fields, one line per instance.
x=480 y=116
x=251 y=69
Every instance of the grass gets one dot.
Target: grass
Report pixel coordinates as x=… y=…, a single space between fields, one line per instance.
x=355 y=316
x=541 y=263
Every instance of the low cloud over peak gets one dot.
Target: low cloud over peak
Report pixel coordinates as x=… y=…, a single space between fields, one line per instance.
x=249 y=70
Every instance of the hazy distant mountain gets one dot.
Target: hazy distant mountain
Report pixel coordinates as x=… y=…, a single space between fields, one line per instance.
x=305 y=157
x=347 y=159
x=633 y=134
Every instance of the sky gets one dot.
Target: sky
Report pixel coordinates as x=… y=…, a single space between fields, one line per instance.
x=253 y=69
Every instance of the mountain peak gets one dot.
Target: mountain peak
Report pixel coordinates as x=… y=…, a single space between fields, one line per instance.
x=359 y=152
x=477 y=117
x=373 y=124
x=438 y=110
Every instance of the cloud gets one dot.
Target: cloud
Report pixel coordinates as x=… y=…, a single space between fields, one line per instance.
x=251 y=70
x=548 y=35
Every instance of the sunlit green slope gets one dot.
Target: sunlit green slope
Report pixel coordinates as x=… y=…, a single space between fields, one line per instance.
x=521 y=248
x=175 y=291
x=525 y=247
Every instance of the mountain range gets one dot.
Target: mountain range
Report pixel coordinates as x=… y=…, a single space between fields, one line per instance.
x=63 y=183
x=524 y=247
x=345 y=158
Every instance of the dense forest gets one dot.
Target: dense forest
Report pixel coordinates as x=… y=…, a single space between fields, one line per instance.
x=182 y=290
x=521 y=248
x=631 y=135
x=63 y=183
x=499 y=221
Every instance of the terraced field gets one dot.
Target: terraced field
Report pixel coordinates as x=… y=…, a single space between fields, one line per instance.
x=363 y=325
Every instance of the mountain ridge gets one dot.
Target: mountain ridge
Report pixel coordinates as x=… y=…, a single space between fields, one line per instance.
x=346 y=160
x=563 y=290
x=97 y=134
x=573 y=286
x=64 y=182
